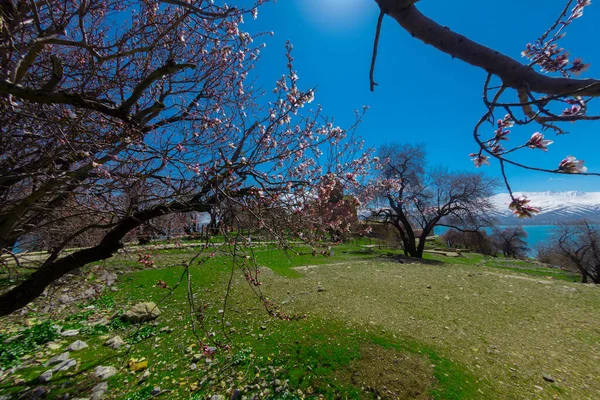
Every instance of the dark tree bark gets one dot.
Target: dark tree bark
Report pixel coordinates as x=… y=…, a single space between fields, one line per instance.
x=52 y=269
x=512 y=73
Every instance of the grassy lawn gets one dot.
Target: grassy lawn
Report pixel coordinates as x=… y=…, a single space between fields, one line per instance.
x=445 y=328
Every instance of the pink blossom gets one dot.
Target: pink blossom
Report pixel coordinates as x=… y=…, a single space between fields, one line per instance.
x=572 y=165
x=572 y=111
x=537 y=142
x=521 y=209
x=479 y=160
x=506 y=122
x=501 y=134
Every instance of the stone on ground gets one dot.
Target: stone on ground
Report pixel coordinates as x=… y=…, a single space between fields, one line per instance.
x=77 y=345
x=99 y=391
x=46 y=376
x=58 y=359
x=142 y=312
x=104 y=372
x=115 y=342
x=65 y=365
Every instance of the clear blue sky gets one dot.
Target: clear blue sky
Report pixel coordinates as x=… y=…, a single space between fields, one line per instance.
x=424 y=95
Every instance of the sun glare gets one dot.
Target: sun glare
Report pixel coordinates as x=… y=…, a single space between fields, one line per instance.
x=336 y=14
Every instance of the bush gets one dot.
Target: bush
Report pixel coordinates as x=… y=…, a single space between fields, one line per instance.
x=478 y=242
x=511 y=241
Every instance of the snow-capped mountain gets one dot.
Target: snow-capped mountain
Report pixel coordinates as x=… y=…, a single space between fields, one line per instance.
x=555 y=207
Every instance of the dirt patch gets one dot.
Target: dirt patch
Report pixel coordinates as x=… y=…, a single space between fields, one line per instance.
x=390 y=374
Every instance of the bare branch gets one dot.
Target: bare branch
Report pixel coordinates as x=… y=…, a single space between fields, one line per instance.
x=512 y=73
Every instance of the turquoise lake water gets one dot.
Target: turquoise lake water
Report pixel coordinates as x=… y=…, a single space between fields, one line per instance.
x=535 y=234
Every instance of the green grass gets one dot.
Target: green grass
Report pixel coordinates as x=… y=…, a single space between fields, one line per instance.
x=472 y=318
x=526 y=267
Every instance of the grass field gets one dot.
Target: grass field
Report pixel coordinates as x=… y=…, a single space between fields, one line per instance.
x=445 y=328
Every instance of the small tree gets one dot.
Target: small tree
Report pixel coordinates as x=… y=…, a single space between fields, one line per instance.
x=577 y=247
x=478 y=241
x=512 y=241
x=414 y=199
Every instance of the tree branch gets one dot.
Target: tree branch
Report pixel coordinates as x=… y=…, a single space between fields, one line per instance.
x=138 y=91
x=32 y=287
x=58 y=97
x=513 y=73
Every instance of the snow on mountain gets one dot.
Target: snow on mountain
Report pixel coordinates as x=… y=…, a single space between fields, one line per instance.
x=555 y=207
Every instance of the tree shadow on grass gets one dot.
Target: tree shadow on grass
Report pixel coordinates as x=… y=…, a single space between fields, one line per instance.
x=402 y=259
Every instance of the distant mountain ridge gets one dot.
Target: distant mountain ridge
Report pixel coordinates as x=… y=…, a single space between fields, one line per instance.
x=555 y=207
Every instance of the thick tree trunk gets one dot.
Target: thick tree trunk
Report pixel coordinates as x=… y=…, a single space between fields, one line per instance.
x=584 y=277
x=423 y=238
x=32 y=287
x=52 y=269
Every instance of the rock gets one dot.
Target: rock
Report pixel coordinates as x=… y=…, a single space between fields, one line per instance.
x=263 y=327
x=166 y=329
x=156 y=391
x=108 y=278
x=547 y=378
x=34 y=394
x=99 y=391
x=58 y=359
x=142 y=312
x=46 y=376
x=320 y=289
x=70 y=332
x=65 y=365
x=115 y=342
x=101 y=321
x=53 y=345
x=197 y=357
x=428 y=286
x=217 y=397
x=236 y=395
x=103 y=372
x=65 y=299
x=14 y=338
x=193 y=367
x=144 y=377
x=77 y=345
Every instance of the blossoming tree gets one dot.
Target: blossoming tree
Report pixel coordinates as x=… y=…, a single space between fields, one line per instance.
x=414 y=199
x=116 y=113
x=515 y=94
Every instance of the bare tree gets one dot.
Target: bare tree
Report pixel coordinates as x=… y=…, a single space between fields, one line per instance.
x=512 y=241
x=414 y=199
x=578 y=247
x=477 y=241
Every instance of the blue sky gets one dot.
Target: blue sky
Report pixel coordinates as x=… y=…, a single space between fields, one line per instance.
x=424 y=95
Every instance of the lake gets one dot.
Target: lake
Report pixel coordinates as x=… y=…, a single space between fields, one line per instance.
x=535 y=234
